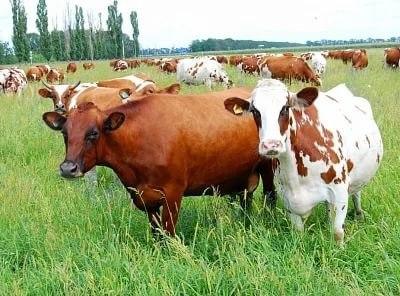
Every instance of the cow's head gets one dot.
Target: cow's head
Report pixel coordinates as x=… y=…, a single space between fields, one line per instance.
x=83 y=131
x=59 y=94
x=271 y=105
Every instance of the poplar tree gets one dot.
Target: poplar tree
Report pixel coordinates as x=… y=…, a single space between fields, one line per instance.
x=114 y=25
x=135 y=35
x=19 y=38
x=42 y=26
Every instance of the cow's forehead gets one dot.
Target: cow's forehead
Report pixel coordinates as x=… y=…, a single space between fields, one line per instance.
x=61 y=88
x=269 y=94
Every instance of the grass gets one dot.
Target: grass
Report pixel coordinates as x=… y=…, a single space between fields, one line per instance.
x=61 y=237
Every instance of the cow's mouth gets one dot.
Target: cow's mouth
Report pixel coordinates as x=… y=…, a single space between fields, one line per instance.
x=70 y=170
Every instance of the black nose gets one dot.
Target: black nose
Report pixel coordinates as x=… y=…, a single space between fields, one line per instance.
x=69 y=169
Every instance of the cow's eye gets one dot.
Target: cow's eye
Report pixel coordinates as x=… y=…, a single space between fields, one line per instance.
x=284 y=111
x=92 y=135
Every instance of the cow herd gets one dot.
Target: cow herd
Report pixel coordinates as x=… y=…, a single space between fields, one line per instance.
x=319 y=146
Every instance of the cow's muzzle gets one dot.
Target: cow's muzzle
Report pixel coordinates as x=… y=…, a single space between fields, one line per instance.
x=70 y=169
x=271 y=148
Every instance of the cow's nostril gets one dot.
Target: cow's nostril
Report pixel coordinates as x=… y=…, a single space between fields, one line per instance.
x=73 y=168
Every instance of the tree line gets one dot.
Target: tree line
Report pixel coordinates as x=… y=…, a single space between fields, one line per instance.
x=211 y=44
x=81 y=38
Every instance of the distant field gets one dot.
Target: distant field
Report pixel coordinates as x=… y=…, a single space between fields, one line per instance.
x=59 y=237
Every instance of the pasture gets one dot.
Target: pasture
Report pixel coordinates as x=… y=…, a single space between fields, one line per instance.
x=62 y=237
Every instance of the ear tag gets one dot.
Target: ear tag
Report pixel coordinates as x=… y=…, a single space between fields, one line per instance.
x=237 y=109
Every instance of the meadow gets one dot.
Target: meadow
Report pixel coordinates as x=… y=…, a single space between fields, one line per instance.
x=60 y=237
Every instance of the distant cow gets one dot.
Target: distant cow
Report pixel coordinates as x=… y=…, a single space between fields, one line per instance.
x=34 y=73
x=360 y=59
x=249 y=65
x=134 y=64
x=234 y=60
x=88 y=66
x=327 y=146
x=12 y=80
x=71 y=68
x=120 y=65
x=287 y=67
x=222 y=59
x=347 y=55
x=45 y=68
x=55 y=75
x=165 y=147
x=392 y=57
x=198 y=71
x=169 y=67
x=318 y=63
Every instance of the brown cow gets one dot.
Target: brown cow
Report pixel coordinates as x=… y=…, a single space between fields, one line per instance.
x=164 y=147
x=347 y=55
x=392 y=57
x=222 y=59
x=235 y=60
x=55 y=75
x=71 y=68
x=360 y=59
x=134 y=63
x=169 y=67
x=88 y=66
x=335 y=54
x=45 y=69
x=286 y=67
x=249 y=65
x=34 y=74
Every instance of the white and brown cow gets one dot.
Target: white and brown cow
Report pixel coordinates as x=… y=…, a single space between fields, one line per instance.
x=325 y=149
x=120 y=65
x=12 y=80
x=202 y=71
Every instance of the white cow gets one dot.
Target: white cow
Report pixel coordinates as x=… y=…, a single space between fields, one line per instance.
x=202 y=71
x=328 y=146
x=13 y=80
x=318 y=63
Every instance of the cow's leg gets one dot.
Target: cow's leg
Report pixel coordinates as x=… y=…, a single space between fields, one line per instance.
x=340 y=204
x=170 y=211
x=357 y=205
x=297 y=221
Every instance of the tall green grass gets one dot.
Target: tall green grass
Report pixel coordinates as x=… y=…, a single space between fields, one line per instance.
x=61 y=237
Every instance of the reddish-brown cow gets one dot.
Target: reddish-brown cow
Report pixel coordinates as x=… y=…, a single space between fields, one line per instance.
x=55 y=75
x=34 y=74
x=164 y=147
x=360 y=59
x=392 y=57
x=249 y=65
x=71 y=68
x=88 y=66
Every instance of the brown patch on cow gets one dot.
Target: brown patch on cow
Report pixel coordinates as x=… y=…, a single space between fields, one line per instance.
x=341 y=153
x=301 y=169
x=329 y=175
x=350 y=165
x=195 y=72
x=357 y=146
x=369 y=143
x=308 y=138
x=340 y=139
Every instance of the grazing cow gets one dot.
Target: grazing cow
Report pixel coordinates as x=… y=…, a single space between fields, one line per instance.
x=222 y=59
x=360 y=59
x=55 y=75
x=249 y=65
x=392 y=57
x=335 y=54
x=197 y=71
x=71 y=68
x=347 y=55
x=134 y=64
x=326 y=149
x=13 y=80
x=164 y=147
x=120 y=65
x=45 y=69
x=234 y=60
x=88 y=66
x=34 y=74
x=287 y=67
x=139 y=85
x=169 y=67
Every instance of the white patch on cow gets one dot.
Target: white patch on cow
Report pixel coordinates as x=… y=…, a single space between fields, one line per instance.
x=265 y=72
x=73 y=103
x=318 y=63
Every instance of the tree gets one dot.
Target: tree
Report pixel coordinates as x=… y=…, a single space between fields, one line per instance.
x=42 y=26
x=34 y=42
x=19 y=38
x=114 y=25
x=6 y=54
x=77 y=40
x=83 y=37
x=135 y=27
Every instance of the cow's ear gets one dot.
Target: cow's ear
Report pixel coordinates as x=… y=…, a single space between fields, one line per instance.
x=236 y=106
x=172 y=89
x=305 y=97
x=45 y=93
x=113 y=121
x=54 y=120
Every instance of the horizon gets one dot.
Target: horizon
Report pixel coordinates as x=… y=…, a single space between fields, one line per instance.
x=377 y=20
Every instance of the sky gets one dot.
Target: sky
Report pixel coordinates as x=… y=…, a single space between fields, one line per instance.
x=176 y=23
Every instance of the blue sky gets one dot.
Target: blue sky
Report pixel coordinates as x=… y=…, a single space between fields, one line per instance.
x=176 y=23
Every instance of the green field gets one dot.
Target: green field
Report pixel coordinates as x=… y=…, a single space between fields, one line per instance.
x=62 y=237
